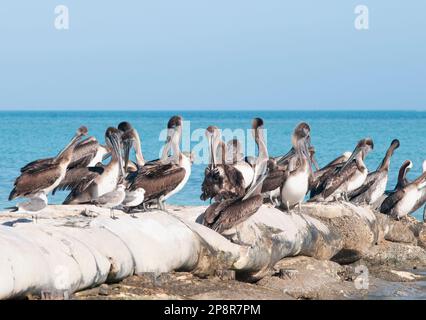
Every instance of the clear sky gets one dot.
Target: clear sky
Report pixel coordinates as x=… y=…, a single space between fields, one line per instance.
x=213 y=54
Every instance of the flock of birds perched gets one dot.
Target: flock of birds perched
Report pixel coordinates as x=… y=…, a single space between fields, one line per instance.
x=236 y=185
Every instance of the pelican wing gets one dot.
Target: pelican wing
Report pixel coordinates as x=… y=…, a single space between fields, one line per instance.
x=237 y=212
x=159 y=181
x=79 y=179
x=214 y=210
x=33 y=182
x=420 y=201
x=229 y=187
x=336 y=180
x=37 y=165
x=358 y=195
x=389 y=203
x=274 y=180
x=338 y=161
x=84 y=153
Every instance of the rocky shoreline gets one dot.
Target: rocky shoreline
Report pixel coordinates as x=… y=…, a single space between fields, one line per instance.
x=339 y=251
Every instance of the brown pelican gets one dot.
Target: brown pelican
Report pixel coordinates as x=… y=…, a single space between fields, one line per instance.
x=223 y=180
x=131 y=140
x=276 y=176
x=38 y=182
x=86 y=153
x=401 y=182
x=279 y=166
x=348 y=177
x=167 y=176
x=223 y=215
x=87 y=184
x=405 y=199
x=374 y=185
x=302 y=129
x=322 y=174
x=131 y=136
x=296 y=179
x=402 y=175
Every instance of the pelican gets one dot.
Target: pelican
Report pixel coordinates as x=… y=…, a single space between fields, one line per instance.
x=88 y=184
x=374 y=185
x=296 y=179
x=402 y=175
x=223 y=180
x=279 y=166
x=135 y=195
x=302 y=129
x=276 y=176
x=87 y=153
x=168 y=175
x=38 y=182
x=402 y=181
x=406 y=199
x=321 y=175
x=130 y=140
x=223 y=215
x=348 y=177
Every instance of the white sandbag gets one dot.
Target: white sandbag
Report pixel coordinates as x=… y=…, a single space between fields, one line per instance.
x=94 y=265
x=22 y=266
x=63 y=269
x=51 y=255
x=157 y=241
x=112 y=248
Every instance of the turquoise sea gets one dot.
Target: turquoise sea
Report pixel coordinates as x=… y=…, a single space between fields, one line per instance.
x=26 y=136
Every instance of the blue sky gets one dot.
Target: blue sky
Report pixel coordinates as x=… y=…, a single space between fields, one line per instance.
x=205 y=54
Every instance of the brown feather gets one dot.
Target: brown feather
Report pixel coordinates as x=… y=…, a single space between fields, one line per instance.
x=33 y=182
x=363 y=193
x=223 y=182
x=390 y=202
x=157 y=181
x=78 y=179
x=335 y=181
x=236 y=212
x=83 y=154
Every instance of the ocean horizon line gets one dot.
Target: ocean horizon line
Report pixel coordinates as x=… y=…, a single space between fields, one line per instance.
x=212 y=110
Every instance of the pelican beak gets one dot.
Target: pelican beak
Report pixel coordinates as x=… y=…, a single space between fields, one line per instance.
x=74 y=140
x=305 y=151
x=127 y=146
x=115 y=142
x=212 y=156
x=314 y=161
x=167 y=144
x=311 y=157
x=351 y=158
x=286 y=156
